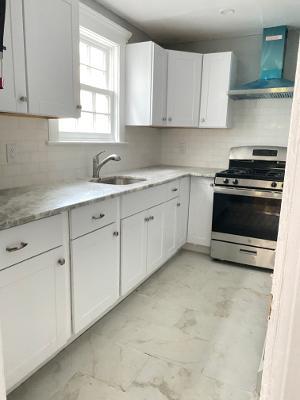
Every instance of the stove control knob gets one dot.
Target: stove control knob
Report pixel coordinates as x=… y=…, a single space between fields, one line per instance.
x=235 y=181
x=274 y=184
x=226 y=181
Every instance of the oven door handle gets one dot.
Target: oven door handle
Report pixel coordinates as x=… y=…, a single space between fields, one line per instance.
x=264 y=194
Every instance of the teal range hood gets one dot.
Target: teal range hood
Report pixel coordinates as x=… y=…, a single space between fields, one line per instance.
x=271 y=83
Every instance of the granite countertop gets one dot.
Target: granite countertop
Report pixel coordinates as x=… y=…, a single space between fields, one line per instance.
x=25 y=204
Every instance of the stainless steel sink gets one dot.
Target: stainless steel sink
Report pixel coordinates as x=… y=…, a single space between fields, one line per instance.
x=118 y=180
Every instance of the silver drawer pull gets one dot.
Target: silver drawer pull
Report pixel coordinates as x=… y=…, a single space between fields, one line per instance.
x=252 y=252
x=99 y=217
x=178 y=204
x=20 y=246
x=174 y=190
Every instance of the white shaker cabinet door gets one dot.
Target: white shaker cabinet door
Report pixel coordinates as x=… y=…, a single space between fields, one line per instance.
x=218 y=74
x=52 y=57
x=34 y=311
x=159 y=86
x=155 y=249
x=133 y=251
x=183 y=212
x=95 y=270
x=201 y=209
x=184 y=88
x=170 y=227
x=13 y=98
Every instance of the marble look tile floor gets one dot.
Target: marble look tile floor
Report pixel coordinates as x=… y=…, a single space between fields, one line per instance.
x=194 y=331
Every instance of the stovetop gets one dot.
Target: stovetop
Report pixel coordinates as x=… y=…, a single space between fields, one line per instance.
x=273 y=174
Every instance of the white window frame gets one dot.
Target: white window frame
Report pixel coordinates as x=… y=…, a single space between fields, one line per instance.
x=114 y=34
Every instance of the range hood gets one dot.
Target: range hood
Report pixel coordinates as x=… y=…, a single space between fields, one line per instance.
x=271 y=83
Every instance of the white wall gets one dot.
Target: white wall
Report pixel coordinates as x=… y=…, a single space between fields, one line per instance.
x=36 y=162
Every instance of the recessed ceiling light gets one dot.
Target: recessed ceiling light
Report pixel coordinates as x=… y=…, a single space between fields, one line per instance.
x=227 y=11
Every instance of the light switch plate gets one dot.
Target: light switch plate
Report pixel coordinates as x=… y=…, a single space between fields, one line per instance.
x=11 y=152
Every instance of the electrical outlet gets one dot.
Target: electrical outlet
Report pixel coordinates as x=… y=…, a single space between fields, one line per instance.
x=11 y=152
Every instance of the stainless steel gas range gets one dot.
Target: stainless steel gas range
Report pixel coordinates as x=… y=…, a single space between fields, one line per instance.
x=247 y=202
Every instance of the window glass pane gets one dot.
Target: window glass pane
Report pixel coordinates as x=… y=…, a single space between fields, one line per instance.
x=98 y=58
x=67 y=125
x=84 y=57
x=102 y=123
x=86 y=100
x=102 y=103
x=93 y=77
x=86 y=122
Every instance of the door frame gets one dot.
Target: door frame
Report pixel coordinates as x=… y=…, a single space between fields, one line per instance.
x=282 y=355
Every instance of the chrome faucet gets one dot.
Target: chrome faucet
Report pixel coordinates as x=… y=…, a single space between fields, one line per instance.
x=97 y=165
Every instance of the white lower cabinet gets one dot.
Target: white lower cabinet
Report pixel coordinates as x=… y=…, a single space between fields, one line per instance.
x=134 y=232
x=35 y=312
x=170 y=228
x=182 y=213
x=155 y=242
x=95 y=275
x=201 y=209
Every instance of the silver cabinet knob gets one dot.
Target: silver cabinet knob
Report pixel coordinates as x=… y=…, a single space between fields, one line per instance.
x=23 y=99
x=116 y=234
x=79 y=107
x=61 y=261
x=147 y=219
x=151 y=218
x=170 y=119
x=164 y=118
x=174 y=190
x=178 y=204
x=202 y=119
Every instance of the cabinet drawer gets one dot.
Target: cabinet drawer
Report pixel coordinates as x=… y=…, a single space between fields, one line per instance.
x=172 y=189
x=94 y=216
x=22 y=242
x=135 y=202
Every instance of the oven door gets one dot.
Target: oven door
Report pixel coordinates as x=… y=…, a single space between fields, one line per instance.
x=246 y=216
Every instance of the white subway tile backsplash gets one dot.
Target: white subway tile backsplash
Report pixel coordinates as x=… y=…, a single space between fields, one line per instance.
x=36 y=162
x=255 y=122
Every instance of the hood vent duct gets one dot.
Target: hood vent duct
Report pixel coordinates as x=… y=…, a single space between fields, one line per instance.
x=271 y=83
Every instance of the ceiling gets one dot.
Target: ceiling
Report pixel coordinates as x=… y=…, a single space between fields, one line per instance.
x=191 y=20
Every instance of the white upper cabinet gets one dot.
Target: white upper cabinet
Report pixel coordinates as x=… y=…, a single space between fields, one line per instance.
x=51 y=29
x=217 y=78
x=163 y=86
x=13 y=96
x=184 y=88
x=146 y=81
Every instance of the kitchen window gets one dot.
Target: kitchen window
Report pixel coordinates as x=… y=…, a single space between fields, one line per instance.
x=102 y=64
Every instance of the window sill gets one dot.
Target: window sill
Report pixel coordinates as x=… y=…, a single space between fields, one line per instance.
x=70 y=142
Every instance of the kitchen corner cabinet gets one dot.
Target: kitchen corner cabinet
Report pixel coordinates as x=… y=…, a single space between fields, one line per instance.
x=41 y=63
x=95 y=272
x=184 y=88
x=218 y=76
x=200 y=213
x=162 y=86
x=35 y=316
x=146 y=82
